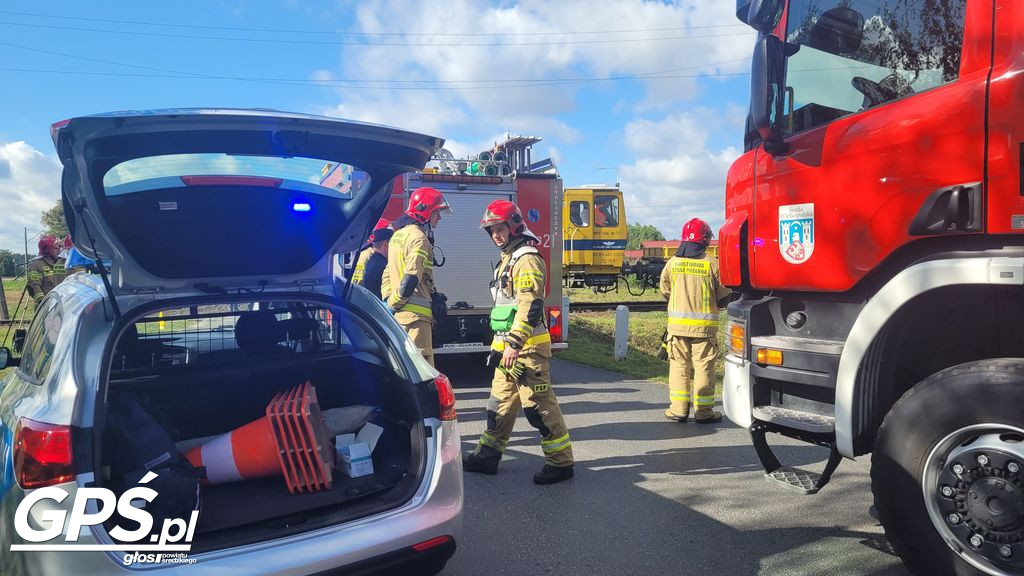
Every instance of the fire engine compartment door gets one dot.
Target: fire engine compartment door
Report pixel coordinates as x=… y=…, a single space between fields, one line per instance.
x=870 y=136
x=469 y=254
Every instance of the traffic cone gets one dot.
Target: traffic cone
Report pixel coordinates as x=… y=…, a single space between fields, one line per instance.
x=291 y=440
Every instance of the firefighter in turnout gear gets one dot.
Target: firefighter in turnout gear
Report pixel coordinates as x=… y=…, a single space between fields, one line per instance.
x=520 y=352
x=408 y=283
x=46 y=271
x=373 y=259
x=691 y=284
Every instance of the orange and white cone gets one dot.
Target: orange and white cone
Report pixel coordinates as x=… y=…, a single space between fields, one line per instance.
x=290 y=440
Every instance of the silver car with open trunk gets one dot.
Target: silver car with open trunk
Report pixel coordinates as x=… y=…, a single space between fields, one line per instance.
x=226 y=326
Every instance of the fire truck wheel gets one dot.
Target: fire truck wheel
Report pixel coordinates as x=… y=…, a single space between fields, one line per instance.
x=947 y=471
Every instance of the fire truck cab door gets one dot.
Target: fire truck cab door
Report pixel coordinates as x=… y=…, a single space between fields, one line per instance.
x=874 y=123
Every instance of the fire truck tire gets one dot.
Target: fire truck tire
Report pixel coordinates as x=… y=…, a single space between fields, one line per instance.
x=928 y=424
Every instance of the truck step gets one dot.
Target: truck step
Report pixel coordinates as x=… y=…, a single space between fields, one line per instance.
x=806 y=421
x=799 y=344
x=802 y=481
x=794 y=478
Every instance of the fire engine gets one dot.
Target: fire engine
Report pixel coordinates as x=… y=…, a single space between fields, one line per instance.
x=875 y=230
x=465 y=257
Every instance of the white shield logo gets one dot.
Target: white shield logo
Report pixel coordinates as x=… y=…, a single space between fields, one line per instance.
x=796 y=232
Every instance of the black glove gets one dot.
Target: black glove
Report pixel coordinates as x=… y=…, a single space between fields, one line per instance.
x=493 y=359
x=663 y=353
x=439 y=307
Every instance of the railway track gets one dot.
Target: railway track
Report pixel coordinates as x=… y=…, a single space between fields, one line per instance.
x=605 y=306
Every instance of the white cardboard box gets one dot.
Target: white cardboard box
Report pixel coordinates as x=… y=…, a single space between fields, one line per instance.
x=355 y=451
x=354 y=459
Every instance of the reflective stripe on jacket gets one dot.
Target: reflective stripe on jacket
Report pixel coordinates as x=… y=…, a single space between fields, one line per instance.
x=520 y=280
x=359 y=275
x=409 y=253
x=693 y=289
x=42 y=275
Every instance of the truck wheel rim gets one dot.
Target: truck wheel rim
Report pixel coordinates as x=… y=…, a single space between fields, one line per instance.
x=973 y=487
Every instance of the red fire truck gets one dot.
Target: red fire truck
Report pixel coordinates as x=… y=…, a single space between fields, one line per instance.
x=875 y=230
x=465 y=256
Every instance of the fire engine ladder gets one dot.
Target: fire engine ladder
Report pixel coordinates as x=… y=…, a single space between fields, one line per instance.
x=807 y=427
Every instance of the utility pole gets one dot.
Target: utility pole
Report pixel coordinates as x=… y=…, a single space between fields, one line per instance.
x=4 y=315
x=26 y=250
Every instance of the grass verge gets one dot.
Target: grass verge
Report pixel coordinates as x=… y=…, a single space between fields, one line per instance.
x=592 y=342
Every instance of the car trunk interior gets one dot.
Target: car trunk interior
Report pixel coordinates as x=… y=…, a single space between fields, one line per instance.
x=197 y=387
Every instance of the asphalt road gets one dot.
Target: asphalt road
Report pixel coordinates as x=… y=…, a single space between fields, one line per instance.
x=654 y=497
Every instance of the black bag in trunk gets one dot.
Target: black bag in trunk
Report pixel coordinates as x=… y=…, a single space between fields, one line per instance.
x=136 y=444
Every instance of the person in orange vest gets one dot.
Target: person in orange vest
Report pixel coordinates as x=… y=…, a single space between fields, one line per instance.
x=409 y=277
x=520 y=352
x=690 y=283
x=373 y=259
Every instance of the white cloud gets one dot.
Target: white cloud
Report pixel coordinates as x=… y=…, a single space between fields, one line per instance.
x=676 y=177
x=321 y=75
x=472 y=47
x=29 y=186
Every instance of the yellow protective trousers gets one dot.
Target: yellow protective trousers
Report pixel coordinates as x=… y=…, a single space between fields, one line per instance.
x=421 y=334
x=534 y=393
x=691 y=366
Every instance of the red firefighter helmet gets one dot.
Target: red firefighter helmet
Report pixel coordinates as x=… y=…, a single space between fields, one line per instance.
x=382 y=224
x=507 y=212
x=425 y=201
x=503 y=211
x=48 y=245
x=697 y=230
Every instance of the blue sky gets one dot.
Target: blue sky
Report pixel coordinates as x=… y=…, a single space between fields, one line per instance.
x=655 y=91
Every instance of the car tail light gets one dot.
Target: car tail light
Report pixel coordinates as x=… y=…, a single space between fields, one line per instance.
x=445 y=397
x=432 y=543
x=555 y=324
x=42 y=454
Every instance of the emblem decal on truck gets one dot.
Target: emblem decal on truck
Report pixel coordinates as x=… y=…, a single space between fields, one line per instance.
x=796 y=232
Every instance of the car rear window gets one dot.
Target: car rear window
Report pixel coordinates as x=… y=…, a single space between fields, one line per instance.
x=175 y=170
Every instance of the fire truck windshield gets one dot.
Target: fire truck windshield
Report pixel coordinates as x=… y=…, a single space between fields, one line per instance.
x=855 y=54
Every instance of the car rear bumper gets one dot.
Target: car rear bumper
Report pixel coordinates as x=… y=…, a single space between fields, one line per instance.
x=386 y=539
x=400 y=562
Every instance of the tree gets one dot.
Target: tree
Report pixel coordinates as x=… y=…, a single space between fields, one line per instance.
x=641 y=232
x=8 y=262
x=53 y=221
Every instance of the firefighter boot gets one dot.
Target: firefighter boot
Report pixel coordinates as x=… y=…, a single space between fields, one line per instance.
x=675 y=417
x=552 y=474
x=707 y=416
x=484 y=461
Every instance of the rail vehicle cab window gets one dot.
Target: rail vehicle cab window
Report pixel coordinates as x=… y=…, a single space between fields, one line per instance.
x=851 y=55
x=41 y=340
x=606 y=211
x=579 y=213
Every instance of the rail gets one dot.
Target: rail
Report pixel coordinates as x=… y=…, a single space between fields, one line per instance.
x=633 y=306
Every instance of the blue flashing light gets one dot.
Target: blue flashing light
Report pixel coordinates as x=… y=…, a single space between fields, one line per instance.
x=301 y=207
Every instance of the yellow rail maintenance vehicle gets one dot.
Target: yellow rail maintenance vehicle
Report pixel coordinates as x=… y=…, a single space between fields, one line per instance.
x=594 y=234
